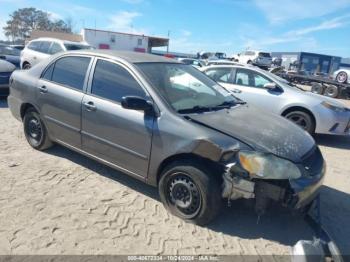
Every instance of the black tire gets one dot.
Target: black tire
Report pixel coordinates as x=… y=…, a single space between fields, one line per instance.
x=26 y=66
x=249 y=62
x=342 y=77
x=303 y=120
x=317 y=88
x=35 y=130
x=187 y=180
x=331 y=91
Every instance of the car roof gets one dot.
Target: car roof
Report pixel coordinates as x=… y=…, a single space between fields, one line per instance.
x=57 y=40
x=129 y=56
x=229 y=65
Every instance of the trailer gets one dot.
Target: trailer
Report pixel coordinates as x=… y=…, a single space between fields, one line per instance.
x=319 y=84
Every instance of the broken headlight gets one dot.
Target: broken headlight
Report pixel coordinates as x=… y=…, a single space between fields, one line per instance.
x=267 y=166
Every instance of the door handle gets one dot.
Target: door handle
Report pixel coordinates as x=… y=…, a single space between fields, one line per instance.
x=90 y=106
x=43 y=89
x=34 y=57
x=237 y=91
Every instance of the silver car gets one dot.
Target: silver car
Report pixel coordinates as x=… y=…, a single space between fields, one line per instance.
x=168 y=125
x=314 y=113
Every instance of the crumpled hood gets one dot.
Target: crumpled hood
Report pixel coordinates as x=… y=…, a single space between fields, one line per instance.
x=261 y=130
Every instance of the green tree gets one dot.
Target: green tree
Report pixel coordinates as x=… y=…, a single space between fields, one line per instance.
x=24 y=20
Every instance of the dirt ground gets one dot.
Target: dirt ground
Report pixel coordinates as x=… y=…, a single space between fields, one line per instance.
x=59 y=202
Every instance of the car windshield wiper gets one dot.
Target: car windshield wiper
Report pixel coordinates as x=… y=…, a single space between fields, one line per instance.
x=229 y=104
x=195 y=109
x=200 y=109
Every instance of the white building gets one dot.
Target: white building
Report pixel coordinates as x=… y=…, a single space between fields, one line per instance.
x=102 y=39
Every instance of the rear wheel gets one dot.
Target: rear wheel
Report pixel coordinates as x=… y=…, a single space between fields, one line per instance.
x=26 y=66
x=331 y=91
x=342 y=77
x=190 y=192
x=302 y=119
x=317 y=88
x=35 y=130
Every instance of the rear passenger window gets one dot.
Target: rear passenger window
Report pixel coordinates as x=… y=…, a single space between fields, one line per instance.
x=70 y=71
x=55 y=48
x=48 y=73
x=44 y=47
x=34 y=45
x=112 y=82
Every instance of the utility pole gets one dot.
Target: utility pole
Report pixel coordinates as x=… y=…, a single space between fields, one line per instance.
x=167 y=48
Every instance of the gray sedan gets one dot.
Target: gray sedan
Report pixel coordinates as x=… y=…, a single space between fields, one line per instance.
x=314 y=113
x=170 y=126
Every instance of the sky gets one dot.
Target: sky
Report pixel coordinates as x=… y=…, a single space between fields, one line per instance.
x=231 y=26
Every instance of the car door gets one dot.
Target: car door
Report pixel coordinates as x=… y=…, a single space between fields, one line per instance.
x=117 y=135
x=248 y=85
x=59 y=93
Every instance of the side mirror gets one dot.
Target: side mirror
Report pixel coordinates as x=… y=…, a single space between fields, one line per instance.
x=136 y=103
x=270 y=86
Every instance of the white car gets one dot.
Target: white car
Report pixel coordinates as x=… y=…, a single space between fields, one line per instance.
x=41 y=48
x=342 y=76
x=268 y=92
x=191 y=61
x=261 y=59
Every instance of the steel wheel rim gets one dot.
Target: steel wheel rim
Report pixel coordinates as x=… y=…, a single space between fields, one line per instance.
x=331 y=90
x=34 y=129
x=184 y=195
x=342 y=77
x=299 y=120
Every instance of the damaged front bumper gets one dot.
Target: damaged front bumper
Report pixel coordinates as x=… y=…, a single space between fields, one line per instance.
x=301 y=194
x=322 y=247
x=294 y=193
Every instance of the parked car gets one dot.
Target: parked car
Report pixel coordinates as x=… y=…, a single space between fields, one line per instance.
x=193 y=62
x=19 y=47
x=6 y=70
x=10 y=54
x=42 y=48
x=342 y=76
x=261 y=59
x=192 y=139
x=314 y=113
x=221 y=62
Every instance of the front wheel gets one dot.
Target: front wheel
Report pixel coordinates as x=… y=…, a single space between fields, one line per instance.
x=342 y=77
x=303 y=120
x=35 y=130
x=190 y=192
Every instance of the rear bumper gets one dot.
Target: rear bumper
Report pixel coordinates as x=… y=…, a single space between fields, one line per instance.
x=15 y=107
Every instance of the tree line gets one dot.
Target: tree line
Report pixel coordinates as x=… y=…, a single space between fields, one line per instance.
x=24 y=20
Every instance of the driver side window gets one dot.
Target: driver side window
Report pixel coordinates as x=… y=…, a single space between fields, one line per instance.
x=250 y=78
x=220 y=74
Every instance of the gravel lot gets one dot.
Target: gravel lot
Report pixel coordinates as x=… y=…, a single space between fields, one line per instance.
x=59 y=202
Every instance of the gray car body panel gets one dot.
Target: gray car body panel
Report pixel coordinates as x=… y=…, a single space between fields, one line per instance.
x=137 y=143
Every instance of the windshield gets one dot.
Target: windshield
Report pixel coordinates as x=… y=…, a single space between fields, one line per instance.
x=262 y=54
x=283 y=81
x=186 y=89
x=70 y=47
